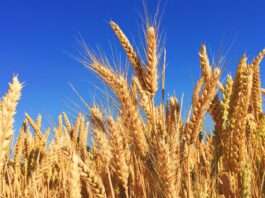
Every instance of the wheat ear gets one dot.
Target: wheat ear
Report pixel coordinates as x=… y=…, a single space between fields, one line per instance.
x=101 y=141
x=204 y=61
x=67 y=122
x=74 y=180
x=75 y=130
x=7 y=112
x=19 y=148
x=129 y=50
x=151 y=67
x=120 y=153
x=94 y=180
x=83 y=134
x=200 y=108
x=256 y=90
x=166 y=168
x=129 y=111
x=239 y=103
x=222 y=117
x=36 y=129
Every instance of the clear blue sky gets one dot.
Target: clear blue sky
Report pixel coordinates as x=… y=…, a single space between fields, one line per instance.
x=37 y=39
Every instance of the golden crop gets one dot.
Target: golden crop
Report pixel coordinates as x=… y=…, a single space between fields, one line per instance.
x=147 y=149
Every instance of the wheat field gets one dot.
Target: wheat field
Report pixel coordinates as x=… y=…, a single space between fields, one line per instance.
x=148 y=149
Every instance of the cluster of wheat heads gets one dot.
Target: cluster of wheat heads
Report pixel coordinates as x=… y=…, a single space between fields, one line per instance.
x=147 y=149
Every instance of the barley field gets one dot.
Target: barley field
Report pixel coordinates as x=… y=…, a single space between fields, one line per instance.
x=148 y=149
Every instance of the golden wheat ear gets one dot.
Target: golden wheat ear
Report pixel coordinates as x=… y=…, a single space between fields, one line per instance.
x=75 y=130
x=83 y=132
x=206 y=69
x=239 y=103
x=205 y=64
x=120 y=152
x=36 y=128
x=101 y=140
x=74 y=179
x=203 y=95
x=128 y=109
x=67 y=122
x=151 y=67
x=7 y=111
x=129 y=50
x=127 y=46
x=256 y=90
x=96 y=117
x=219 y=112
x=19 y=148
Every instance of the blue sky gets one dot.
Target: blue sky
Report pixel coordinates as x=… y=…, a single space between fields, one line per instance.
x=39 y=38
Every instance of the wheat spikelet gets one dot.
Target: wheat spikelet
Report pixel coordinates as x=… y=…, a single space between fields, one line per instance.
x=144 y=99
x=216 y=111
x=197 y=91
x=246 y=181
x=261 y=127
x=226 y=99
